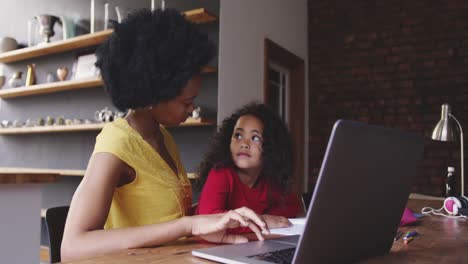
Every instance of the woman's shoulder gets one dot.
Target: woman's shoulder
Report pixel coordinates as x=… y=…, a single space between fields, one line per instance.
x=117 y=134
x=119 y=128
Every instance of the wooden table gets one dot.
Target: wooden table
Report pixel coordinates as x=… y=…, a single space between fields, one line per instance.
x=441 y=240
x=20 y=207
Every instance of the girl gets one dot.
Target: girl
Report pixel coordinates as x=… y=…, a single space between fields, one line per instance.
x=249 y=163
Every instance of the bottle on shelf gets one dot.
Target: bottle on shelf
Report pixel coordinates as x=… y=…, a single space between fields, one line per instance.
x=450 y=183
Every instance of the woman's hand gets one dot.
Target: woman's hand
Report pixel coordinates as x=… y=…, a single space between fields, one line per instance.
x=213 y=227
x=274 y=221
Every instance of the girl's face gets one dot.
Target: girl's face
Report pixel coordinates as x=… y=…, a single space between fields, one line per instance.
x=176 y=111
x=246 y=143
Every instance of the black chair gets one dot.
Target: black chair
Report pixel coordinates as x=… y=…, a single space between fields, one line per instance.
x=55 y=222
x=306 y=197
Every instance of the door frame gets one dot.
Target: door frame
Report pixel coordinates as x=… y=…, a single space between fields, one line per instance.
x=296 y=66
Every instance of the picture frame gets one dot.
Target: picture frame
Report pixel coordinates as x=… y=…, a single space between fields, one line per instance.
x=84 y=67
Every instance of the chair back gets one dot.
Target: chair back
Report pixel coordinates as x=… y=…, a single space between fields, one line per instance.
x=55 y=223
x=306 y=197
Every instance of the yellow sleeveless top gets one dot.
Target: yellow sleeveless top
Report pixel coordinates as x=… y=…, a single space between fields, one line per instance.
x=157 y=194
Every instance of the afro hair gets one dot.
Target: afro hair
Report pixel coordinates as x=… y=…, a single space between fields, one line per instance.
x=277 y=156
x=150 y=57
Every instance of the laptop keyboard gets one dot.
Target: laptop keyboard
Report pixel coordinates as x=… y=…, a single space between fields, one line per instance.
x=284 y=256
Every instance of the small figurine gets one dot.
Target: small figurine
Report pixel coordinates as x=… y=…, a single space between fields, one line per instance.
x=17 y=123
x=49 y=121
x=2 y=81
x=62 y=73
x=104 y=115
x=50 y=77
x=2 y=77
x=5 y=123
x=77 y=121
x=40 y=122
x=196 y=113
x=60 y=121
x=30 y=123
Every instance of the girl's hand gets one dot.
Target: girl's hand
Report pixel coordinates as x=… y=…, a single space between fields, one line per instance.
x=213 y=227
x=274 y=221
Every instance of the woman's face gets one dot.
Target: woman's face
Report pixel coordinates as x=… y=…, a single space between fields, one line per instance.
x=176 y=111
x=246 y=143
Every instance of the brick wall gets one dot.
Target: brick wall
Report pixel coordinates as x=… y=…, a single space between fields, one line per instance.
x=391 y=63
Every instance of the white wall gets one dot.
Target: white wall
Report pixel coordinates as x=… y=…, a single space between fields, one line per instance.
x=244 y=24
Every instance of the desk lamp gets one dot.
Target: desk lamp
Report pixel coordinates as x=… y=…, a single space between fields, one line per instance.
x=445 y=131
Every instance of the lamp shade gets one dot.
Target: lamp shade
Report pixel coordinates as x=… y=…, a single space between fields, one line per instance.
x=445 y=130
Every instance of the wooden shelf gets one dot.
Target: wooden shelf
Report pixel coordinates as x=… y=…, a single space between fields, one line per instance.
x=200 y=15
x=50 y=88
x=209 y=69
x=80 y=128
x=83 y=41
x=20 y=175
x=58 y=172
x=51 y=129
x=54 y=87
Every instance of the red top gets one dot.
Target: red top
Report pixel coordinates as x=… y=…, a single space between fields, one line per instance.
x=224 y=191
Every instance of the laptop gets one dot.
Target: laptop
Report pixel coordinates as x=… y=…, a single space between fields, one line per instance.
x=357 y=204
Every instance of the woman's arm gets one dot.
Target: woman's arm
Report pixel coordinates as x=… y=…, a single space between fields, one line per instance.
x=84 y=234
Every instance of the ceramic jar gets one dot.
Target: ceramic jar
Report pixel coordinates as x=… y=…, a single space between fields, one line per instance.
x=15 y=80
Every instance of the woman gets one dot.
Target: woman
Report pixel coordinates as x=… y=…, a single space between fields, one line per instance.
x=135 y=192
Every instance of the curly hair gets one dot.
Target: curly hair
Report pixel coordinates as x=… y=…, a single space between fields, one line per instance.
x=150 y=57
x=277 y=156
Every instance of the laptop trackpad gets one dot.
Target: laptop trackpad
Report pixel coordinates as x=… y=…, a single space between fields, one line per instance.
x=288 y=239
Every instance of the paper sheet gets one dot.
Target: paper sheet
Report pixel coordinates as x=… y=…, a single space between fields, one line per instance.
x=297 y=227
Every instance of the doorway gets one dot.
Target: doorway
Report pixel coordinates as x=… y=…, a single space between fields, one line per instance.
x=284 y=90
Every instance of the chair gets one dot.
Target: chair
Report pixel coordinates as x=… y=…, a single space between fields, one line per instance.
x=55 y=222
x=306 y=197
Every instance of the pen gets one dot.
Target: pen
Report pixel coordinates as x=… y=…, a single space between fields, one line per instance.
x=398 y=235
x=409 y=239
x=410 y=234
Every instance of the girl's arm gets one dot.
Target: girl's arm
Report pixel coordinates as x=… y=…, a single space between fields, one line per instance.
x=84 y=234
x=283 y=206
x=215 y=193
x=287 y=205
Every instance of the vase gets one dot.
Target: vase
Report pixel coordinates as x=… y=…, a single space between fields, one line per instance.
x=46 y=26
x=15 y=80
x=2 y=81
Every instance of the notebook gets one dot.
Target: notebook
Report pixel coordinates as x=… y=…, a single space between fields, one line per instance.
x=363 y=186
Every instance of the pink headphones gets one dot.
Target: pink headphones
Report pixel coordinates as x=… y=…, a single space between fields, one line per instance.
x=452 y=205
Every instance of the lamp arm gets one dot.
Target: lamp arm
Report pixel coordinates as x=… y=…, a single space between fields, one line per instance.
x=462 y=158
